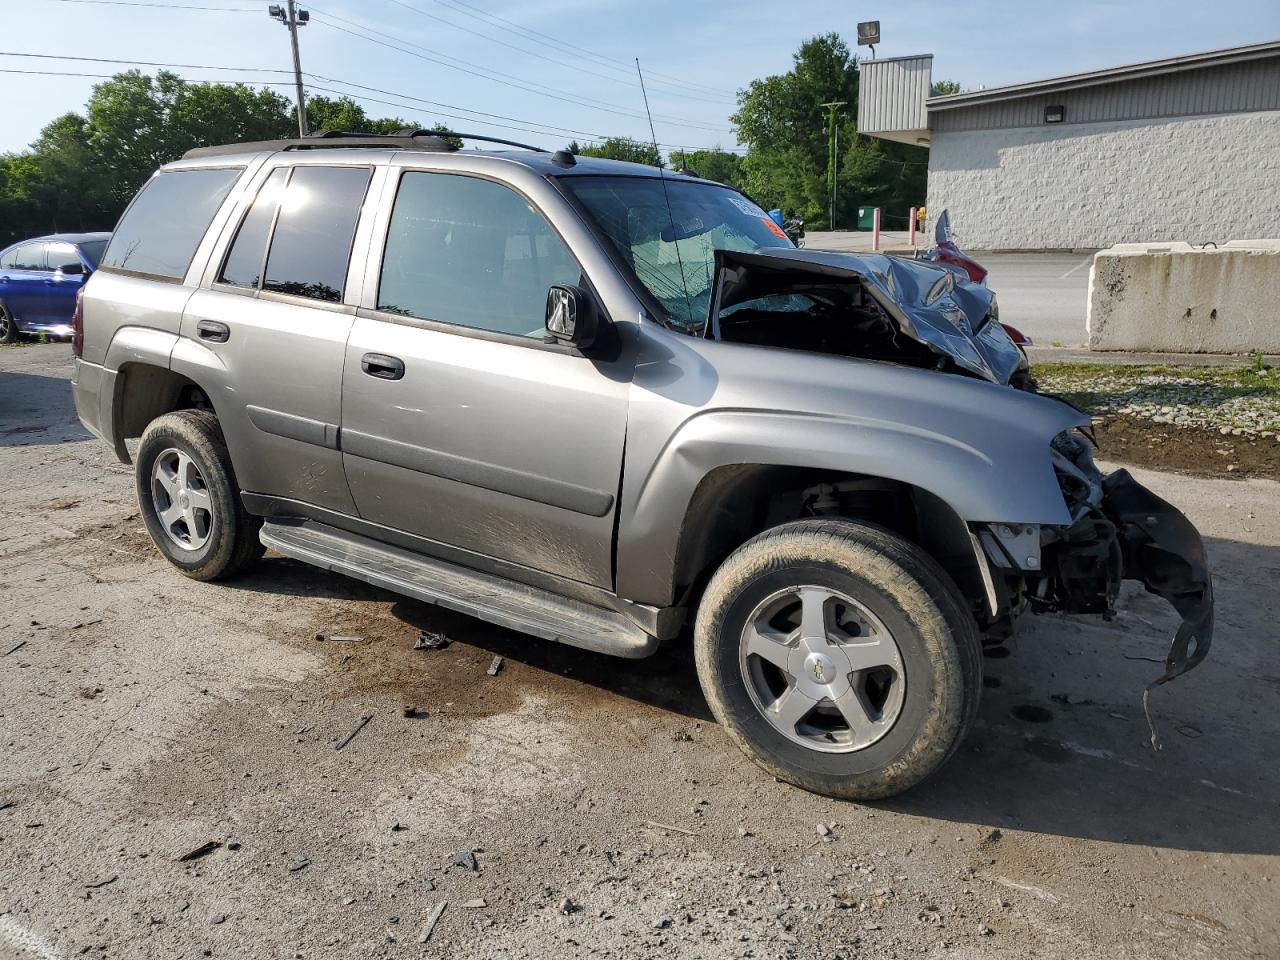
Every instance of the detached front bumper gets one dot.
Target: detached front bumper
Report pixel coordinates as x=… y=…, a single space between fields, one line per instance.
x=1161 y=548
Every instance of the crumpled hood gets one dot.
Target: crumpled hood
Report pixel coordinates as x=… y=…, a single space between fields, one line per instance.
x=931 y=303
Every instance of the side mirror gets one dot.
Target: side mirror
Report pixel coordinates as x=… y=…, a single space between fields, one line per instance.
x=71 y=269
x=571 y=316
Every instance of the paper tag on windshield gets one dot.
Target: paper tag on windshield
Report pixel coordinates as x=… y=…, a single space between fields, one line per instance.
x=746 y=206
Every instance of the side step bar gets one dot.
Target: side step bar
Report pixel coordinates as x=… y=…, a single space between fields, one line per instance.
x=519 y=607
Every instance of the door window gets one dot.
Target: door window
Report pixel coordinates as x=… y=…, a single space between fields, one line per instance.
x=311 y=244
x=28 y=256
x=470 y=252
x=243 y=266
x=62 y=256
x=160 y=231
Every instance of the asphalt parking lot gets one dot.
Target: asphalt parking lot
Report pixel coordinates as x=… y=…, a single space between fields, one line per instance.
x=1045 y=295
x=145 y=718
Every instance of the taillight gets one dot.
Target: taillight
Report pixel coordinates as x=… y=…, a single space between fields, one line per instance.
x=77 y=324
x=1016 y=335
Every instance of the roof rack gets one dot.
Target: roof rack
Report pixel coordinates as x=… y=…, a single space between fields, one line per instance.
x=407 y=139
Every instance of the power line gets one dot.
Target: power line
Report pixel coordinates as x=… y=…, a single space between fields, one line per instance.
x=161 y=6
x=477 y=116
x=469 y=10
x=505 y=79
x=533 y=53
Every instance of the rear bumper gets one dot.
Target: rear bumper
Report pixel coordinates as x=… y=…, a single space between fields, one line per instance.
x=86 y=391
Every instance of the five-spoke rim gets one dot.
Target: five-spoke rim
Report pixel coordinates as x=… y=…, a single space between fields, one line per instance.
x=822 y=669
x=181 y=499
x=4 y=324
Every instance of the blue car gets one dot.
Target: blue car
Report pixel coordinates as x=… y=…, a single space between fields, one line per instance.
x=39 y=280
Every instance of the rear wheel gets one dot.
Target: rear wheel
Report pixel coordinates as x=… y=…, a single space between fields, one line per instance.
x=839 y=657
x=189 y=498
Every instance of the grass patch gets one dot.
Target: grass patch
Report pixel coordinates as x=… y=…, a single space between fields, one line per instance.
x=1236 y=398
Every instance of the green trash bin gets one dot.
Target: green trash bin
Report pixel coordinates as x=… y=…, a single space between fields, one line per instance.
x=866 y=217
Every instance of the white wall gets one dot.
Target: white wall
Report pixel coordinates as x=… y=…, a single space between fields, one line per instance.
x=1088 y=186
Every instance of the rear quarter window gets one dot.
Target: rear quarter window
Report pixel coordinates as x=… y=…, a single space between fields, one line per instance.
x=159 y=233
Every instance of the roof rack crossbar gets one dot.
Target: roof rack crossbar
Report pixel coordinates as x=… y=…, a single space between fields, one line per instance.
x=406 y=139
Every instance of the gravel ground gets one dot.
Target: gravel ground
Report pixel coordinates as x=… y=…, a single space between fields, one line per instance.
x=1235 y=401
x=145 y=716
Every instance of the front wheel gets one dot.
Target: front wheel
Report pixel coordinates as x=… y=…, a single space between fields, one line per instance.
x=189 y=498
x=839 y=657
x=8 y=327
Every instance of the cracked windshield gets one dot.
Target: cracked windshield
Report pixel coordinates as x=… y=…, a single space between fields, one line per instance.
x=632 y=212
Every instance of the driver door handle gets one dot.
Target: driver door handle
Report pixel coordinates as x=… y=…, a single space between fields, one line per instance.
x=382 y=366
x=213 y=331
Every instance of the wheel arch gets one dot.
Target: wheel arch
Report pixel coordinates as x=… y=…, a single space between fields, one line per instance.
x=143 y=390
x=735 y=502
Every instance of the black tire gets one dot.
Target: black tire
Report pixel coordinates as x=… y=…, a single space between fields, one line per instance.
x=8 y=326
x=912 y=596
x=232 y=544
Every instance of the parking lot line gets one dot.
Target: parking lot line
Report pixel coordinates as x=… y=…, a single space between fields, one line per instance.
x=1083 y=263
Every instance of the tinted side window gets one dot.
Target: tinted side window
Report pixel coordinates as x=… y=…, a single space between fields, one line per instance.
x=312 y=241
x=243 y=266
x=29 y=256
x=60 y=255
x=163 y=226
x=470 y=252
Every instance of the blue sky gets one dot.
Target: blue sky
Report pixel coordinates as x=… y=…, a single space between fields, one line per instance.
x=694 y=54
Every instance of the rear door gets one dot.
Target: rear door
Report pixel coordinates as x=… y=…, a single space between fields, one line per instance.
x=22 y=276
x=270 y=326
x=65 y=277
x=459 y=423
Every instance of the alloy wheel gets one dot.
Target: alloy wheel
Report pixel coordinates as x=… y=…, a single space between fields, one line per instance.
x=822 y=669
x=181 y=499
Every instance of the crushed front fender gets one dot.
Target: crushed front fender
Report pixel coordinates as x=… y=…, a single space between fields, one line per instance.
x=1162 y=549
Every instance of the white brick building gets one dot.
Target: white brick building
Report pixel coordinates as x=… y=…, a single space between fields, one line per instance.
x=1179 y=149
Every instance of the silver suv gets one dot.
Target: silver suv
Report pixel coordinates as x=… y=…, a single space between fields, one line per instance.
x=601 y=404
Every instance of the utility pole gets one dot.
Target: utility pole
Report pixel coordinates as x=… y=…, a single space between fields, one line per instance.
x=293 y=18
x=833 y=154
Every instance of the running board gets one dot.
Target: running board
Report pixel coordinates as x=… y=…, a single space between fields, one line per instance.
x=514 y=605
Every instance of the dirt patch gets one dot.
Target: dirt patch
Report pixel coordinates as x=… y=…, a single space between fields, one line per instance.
x=1189 y=450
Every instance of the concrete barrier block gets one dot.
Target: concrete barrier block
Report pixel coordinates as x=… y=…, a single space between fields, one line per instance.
x=1171 y=297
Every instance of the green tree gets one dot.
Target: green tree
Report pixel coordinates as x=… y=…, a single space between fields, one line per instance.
x=944 y=88
x=719 y=165
x=784 y=125
x=620 y=148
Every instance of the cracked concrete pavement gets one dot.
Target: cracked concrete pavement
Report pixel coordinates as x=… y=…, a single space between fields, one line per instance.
x=143 y=715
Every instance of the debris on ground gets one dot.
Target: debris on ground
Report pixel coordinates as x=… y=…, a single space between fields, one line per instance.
x=432 y=919
x=413 y=713
x=667 y=826
x=16 y=647
x=338 y=638
x=476 y=904
x=431 y=641
x=300 y=865
x=102 y=883
x=352 y=735
x=201 y=851
x=567 y=906
x=823 y=830
x=467 y=860
x=495 y=666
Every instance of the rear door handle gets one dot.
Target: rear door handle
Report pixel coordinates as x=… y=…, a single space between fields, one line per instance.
x=382 y=366
x=213 y=331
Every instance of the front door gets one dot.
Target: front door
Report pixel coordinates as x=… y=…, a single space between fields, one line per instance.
x=275 y=321
x=459 y=423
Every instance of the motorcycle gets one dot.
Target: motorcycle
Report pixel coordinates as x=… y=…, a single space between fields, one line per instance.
x=794 y=229
x=946 y=251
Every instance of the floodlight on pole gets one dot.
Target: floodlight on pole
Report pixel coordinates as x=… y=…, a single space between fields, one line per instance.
x=869 y=35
